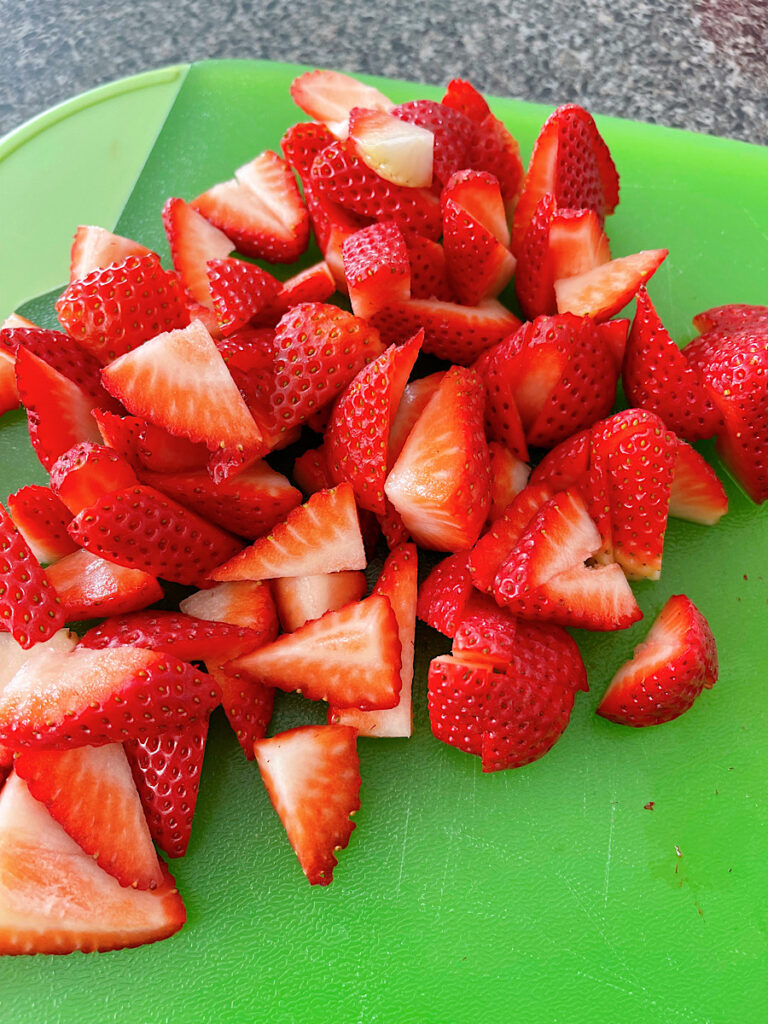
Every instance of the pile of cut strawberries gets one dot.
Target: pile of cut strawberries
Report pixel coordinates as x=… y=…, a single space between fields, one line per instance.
x=409 y=423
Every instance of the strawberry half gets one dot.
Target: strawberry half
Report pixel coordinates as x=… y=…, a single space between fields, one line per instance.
x=89 y=587
x=94 y=248
x=301 y=599
x=676 y=661
x=30 y=609
x=312 y=775
x=377 y=268
x=239 y=291
x=87 y=472
x=42 y=520
x=193 y=241
x=444 y=594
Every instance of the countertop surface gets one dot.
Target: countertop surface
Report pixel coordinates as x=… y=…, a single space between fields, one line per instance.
x=697 y=64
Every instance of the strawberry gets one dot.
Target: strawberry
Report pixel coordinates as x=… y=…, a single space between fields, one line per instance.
x=312 y=775
x=441 y=481
x=123 y=433
x=357 y=438
x=42 y=519
x=696 y=493
x=399 y=152
x=89 y=586
x=453 y=133
x=614 y=334
x=301 y=143
x=89 y=791
x=114 y=309
x=509 y=475
x=250 y=504
x=397 y=582
x=260 y=209
x=248 y=349
x=376 y=267
x=429 y=276
x=444 y=594
x=338 y=174
x=13 y=656
x=415 y=397
x=93 y=248
x=458 y=334
x=9 y=393
x=141 y=528
x=13 y=320
x=478 y=265
x=179 y=382
x=495 y=150
x=29 y=606
x=731 y=318
x=677 y=660
x=310 y=471
x=657 y=377
x=349 y=657
x=239 y=291
x=301 y=599
x=330 y=95
x=463 y=96
x=193 y=241
x=185 y=637
x=58 y=701
x=86 y=472
x=602 y=292
x=486 y=632
x=563 y=466
x=56 y=899
x=315 y=284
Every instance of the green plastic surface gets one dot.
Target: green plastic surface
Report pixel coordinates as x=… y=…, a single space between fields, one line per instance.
x=623 y=877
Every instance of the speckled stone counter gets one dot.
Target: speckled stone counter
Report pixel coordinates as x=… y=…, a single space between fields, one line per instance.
x=698 y=64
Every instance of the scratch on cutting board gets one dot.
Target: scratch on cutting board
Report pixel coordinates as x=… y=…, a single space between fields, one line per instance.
x=405 y=843
x=750 y=217
x=609 y=852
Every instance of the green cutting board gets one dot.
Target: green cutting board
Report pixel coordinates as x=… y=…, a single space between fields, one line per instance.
x=623 y=878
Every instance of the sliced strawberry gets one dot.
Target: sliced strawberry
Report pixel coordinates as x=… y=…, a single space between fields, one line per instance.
x=677 y=660
x=357 y=439
x=415 y=397
x=657 y=377
x=42 y=519
x=453 y=133
x=193 y=241
x=301 y=143
x=58 y=701
x=89 y=587
x=463 y=96
x=123 y=433
x=301 y=599
x=398 y=582
x=239 y=291
x=162 y=452
x=30 y=609
x=94 y=248
x=322 y=535
x=349 y=657
x=377 y=268
x=248 y=349
x=496 y=151
x=86 y=472
x=614 y=334
x=490 y=552
x=393 y=529
x=477 y=193
x=143 y=529
x=478 y=265
x=399 y=152
x=429 y=276
x=250 y=504
x=444 y=594
x=602 y=292
x=312 y=775
x=13 y=320
x=441 y=481
x=183 y=636
x=260 y=209
x=315 y=284
x=485 y=632
x=310 y=471
x=116 y=308
x=330 y=95
x=565 y=465
x=13 y=656
x=248 y=706
x=9 y=393
x=696 y=493
x=733 y=317
x=509 y=475
x=91 y=794
x=56 y=899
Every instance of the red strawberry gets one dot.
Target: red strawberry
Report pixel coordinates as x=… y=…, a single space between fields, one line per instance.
x=301 y=599
x=429 y=277
x=392 y=527
x=116 y=308
x=696 y=493
x=123 y=433
x=315 y=284
x=312 y=775
x=509 y=475
x=357 y=439
x=415 y=397
x=463 y=96
x=397 y=582
x=322 y=535
x=339 y=175
x=185 y=637
x=87 y=472
x=310 y=471
x=453 y=132
x=485 y=632
x=657 y=377
x=250 y=504
x=349 y=657
x=239 y=291
x=669 y=670
x=399 y=152
x=90 y=792
x=441 y=481
x=248 y=705
x=143 y=529
x=495 y=150
x=30 y=609
x=248 y=349
x=179 y=382
x=58 y=701
x=9 y=393
x=94 y=248
x=614 y=334
x=330 y=95
x=42 y=519
x=89 y=586
x=260 y=209
x=602 y=292
x=193 y=241
x=563 y=466
x=377 y=268
x=478 y=265
x=444 y=594
x=731 y=318
x=56 y=899
x=302 y=142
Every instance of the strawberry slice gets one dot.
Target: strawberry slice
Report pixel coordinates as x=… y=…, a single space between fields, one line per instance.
x=398 y=582
x=414 y=400
x=731 y=318
x=495 y=150
x=312 y=775
x=42 y=520
x=429 y=276
x=357 y=438
x=453 y=133
x=193 y=241
x=86 y=472
x=9 y=393
x=310 y=471
x=315 y=284
x=57 y=701
x=13 y=656
x=377 y=268
x=397 y=151
x=301 y=599
x=485 y=632
x=239 y=291
x=54 y=898
x=349 y=657
x=89 y=587
x=13 y=321
x=184 y=636
x=509 y=475
x=30 y=609
x=145 y=445
x=602 y=292
x=90 y=792
x=675 y=662
x=564 y=466
x=114 y=309
x=441 y=481
x=330 y=95
x=696 y=493
x=463 y=96
x=444 y=594
x=478 y=265
x=658 y=377
x=260 y=209
x=141 y=528
x=94 y=248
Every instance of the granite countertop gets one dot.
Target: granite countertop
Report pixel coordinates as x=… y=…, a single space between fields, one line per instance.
x=698 y=64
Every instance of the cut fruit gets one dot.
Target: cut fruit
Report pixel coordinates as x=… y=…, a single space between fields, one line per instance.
x=301 y=599
x=602 y=292
x=397 y=151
